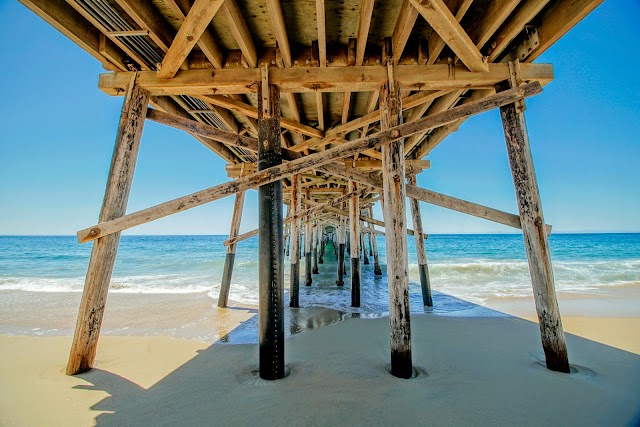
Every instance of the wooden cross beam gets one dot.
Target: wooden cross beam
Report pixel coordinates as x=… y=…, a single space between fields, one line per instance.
x=322 y=79
x=313 y=161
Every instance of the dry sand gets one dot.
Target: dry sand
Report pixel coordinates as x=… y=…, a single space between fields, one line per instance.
x=471 y=371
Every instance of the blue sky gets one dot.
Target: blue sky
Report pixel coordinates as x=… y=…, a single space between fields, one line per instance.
x=58 y=131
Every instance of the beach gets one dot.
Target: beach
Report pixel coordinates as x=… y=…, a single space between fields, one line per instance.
x=168 y=358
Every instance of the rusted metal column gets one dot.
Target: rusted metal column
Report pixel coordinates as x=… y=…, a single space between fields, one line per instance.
x=271 y=250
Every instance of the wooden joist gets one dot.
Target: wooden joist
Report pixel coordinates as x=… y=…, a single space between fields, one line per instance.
x=194 y=25
x=435 y=44
x=240 y=30
x=438 y=15
x=327 y=79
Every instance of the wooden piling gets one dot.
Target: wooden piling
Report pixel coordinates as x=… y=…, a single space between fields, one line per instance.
x=377 y=271
x=103 y=253
x=314 y=231
x=340 y=251
x=354 y=235
x=271 y=251
x=223 y=297
x=393 y=175
x=323 y=243
x=294 y=275
x=363 y=245
x=308 y=239
x=418 y=235
x=535 y=237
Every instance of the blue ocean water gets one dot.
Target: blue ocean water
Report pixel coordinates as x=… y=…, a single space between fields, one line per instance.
x=472 y=267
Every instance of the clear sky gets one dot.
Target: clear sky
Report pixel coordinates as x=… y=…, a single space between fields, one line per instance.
x=57 y=132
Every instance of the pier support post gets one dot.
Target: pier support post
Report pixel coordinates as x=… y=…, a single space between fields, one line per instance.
x=418 y=235
x=223 y=297
x=287 y=233
x=393 y=176
x=535 y=238
x=377 y=271
x=271 y=251
x=340 y=251
x=294 y=276
x=323 y=243
x=363 y=244
x=354 y=237
x=314 y=230
x=308 y=239
x=103 y=253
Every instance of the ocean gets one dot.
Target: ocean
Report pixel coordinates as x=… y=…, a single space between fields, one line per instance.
x=474 y=268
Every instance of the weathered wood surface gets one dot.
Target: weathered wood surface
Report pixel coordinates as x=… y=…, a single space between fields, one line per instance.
x=393 y=177
x=315 y=231
x=425 y=284
x=271 y=245
x=103 y=253
x=322 y=79
x=535 y=237
x=309 y=162
x=294 y=219
x=374 y=241
x=225 y=284
x=308 y=238
x=354 y=236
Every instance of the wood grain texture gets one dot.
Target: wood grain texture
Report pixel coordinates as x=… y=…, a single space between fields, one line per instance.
x=103 y=253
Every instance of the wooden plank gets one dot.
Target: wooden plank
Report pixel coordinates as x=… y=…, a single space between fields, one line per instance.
x=313 y=161
x=225 y=284
x=496 y=13
x=280 y=30
x=406 y=20
x=250 y=111
x=103 y=254
x=80 y=31
x=396 y=232
x=322 y=33
x=328 y=79
x=435 y=44
x=194 y=25
x=438 y=15
x=535 y=239
x=207 y=42
x=240 y=30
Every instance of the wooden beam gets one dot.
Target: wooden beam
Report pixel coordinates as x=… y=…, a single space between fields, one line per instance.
x=250 y=111
x=167 y=105
x=294 y=219
x=559 y=19
x=194 y=25
x=313 y=161
x=225 y=285
x=535 y=239
x=406 y=20
x=79 y=30
x=103 y=253
x=495 y=14
x=148 y=18
x=328 y=79
x=240 y=30
x=438 y=15
x=423 y=268
x=207 y=42
x=366 y=12
x=322 y=33
x=280 y=30
x=435 y=44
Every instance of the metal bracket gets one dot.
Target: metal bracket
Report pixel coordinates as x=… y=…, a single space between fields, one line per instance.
x=528 y=45
x=515 y=80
